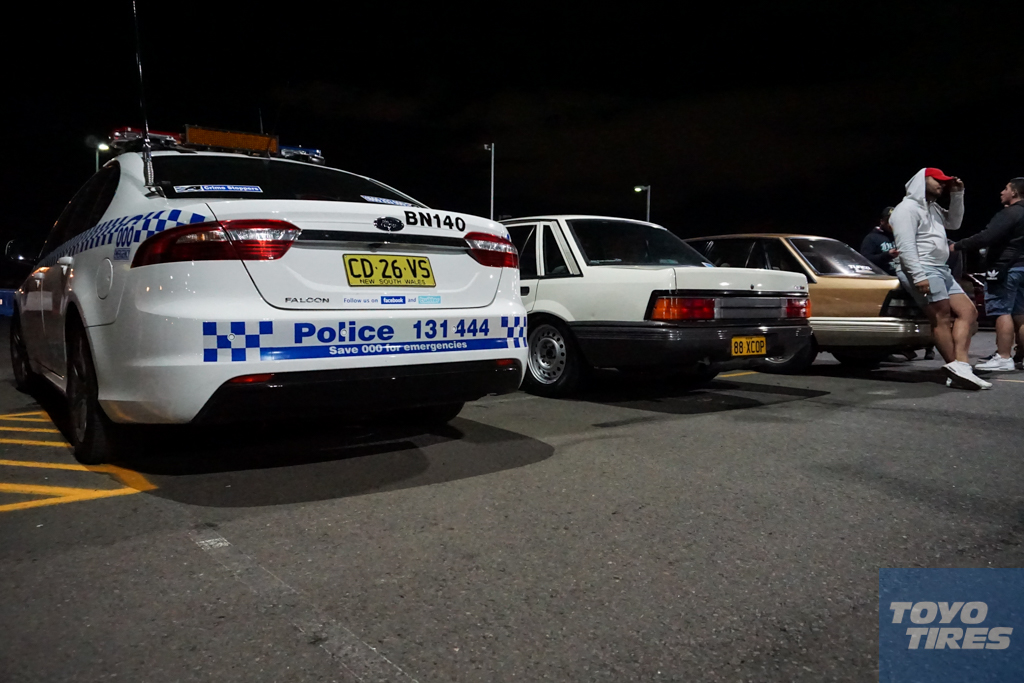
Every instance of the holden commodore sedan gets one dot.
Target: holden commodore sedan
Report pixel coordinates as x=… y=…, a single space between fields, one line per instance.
x=221 y=286
x=615 y=293
x=861 y=315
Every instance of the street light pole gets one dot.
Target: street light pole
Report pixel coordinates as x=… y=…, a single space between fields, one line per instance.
x=98 y=146
x=491 y=148
x=645 y=188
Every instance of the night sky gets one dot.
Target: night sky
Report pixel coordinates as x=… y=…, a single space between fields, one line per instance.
x=768 y=117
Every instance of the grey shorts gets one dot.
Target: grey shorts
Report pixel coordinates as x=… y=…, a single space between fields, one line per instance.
x=940 y=281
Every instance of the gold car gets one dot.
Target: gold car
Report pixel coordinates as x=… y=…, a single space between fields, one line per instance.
x=858 y=313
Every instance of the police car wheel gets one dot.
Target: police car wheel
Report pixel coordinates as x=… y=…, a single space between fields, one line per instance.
x=554 y=363
x=24 y=378
x=92 y=432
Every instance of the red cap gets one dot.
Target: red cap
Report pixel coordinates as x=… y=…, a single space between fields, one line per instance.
x=937 y=174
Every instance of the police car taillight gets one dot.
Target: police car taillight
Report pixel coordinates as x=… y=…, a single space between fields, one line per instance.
x=259 y=240
x=492 y=250
x=248 y=240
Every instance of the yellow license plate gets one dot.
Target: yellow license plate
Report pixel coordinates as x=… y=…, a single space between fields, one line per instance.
x=388 y=270
x=748 y=346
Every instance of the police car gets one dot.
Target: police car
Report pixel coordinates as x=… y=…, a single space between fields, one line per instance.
x=184 y=286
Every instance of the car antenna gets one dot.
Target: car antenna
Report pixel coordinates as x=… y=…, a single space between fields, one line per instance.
x=147 y=148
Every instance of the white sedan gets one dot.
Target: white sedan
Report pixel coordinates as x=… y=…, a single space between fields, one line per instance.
x=235 y=287
x=615 y=293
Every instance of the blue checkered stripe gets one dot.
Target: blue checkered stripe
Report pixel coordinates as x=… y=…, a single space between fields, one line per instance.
x=515 y=330
x=136 y=229
x=234 y=341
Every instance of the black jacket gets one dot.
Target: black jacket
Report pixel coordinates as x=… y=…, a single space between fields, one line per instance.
x=875 y=248
x=1004 y=237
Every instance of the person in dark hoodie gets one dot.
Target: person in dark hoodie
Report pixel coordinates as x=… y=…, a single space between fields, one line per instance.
x=879 y=245
x=1004 y=285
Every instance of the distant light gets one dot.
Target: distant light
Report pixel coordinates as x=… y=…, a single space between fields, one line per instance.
x=103 y=147
x=638 y=188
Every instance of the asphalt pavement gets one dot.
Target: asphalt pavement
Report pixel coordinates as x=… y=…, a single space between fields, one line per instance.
x=634 y=533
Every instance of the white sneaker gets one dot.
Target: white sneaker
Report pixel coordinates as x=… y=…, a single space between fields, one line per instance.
x=961 y=376
x=996 y=364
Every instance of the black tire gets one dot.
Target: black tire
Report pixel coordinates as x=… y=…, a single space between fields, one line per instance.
x=859 y=361
x=796 y=364
x=693 y=378
x=554 y=365
x=93 y=435
x=24 y=379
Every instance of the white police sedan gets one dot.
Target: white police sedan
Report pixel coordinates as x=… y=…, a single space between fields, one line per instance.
x=235 y=287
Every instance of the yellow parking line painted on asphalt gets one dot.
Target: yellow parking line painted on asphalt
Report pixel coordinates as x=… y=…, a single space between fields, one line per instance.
x=29 y=429
x=1018 y=381
x=34 y=416
x=738 y=374
x=129 y=478
x=29 y=442
x=45 y=465
x=56 y=495
x=40 y=490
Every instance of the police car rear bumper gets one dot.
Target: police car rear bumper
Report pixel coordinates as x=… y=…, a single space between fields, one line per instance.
x=351 y=394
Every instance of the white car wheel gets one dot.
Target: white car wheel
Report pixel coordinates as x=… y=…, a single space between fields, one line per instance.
x=554 y=362
x=548 y=354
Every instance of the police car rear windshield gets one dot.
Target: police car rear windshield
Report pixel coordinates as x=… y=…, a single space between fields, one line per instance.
x=224 y=177
x=620 y=243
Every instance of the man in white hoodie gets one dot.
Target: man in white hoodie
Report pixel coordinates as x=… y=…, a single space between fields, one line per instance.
x=919 y=227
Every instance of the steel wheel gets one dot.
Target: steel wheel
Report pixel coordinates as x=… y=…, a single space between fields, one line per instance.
x=554 y=363
x=548 y=354
x=798 y=363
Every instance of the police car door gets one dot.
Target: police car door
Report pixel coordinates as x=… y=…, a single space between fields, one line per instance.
x=524 y=236
x=68 y=255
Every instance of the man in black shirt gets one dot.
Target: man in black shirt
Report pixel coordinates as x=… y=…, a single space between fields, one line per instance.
x=1004 y=286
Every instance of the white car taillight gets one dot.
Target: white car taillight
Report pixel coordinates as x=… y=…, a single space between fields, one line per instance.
x=248 y=240
x=492 y=250
x=798 y=308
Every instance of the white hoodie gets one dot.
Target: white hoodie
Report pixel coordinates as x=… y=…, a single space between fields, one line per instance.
x=919 y=227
